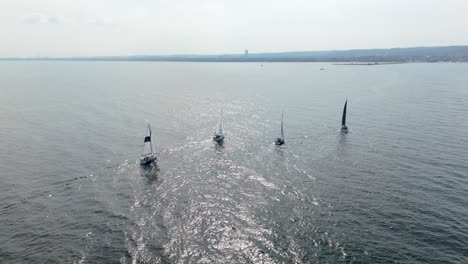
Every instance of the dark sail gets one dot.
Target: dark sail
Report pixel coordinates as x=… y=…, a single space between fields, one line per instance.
x=343 y=120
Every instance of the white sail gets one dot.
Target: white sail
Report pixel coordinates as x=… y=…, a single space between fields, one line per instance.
x=282 y=130
x=148 y=148
x=280 y=140
x=220 y=129
x=153 y=149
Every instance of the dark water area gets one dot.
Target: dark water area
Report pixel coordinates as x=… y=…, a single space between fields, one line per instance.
x=393 y=190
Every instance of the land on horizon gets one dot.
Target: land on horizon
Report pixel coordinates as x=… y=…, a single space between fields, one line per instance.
x=373 y=56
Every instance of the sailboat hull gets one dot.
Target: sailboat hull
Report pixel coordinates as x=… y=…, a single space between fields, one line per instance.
x=148 y=160
x=344 y=129
x=218 y=138
x=279 y=141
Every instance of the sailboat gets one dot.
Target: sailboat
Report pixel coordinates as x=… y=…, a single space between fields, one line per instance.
x=344 y=128
x=219 y=132
x=148 y=156
x=280 y=140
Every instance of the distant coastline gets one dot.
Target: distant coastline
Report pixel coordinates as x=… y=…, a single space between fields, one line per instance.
x=368 y=63
x=340 y=57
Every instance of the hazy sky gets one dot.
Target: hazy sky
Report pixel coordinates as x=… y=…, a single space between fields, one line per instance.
x=124 y=27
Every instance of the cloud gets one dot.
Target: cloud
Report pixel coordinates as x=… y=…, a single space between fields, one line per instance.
x=42 y=19
x=55 y=19
x=34 y=19
x=99 y=22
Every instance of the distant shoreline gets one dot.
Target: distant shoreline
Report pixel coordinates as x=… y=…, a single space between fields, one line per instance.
x=338 y=57
x=370 y=63
x=335 y=63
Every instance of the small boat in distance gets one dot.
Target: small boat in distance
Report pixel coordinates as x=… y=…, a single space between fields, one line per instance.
x=322 y=69
x=219 y=132
x=344 y=128
x=148 y=156
x=280 y=140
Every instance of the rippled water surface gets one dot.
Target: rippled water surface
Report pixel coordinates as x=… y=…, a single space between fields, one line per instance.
x=393 y=190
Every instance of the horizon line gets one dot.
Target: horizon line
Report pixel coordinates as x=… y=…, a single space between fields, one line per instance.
x=224 y=54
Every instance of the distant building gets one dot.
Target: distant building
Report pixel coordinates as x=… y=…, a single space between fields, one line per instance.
x=246 y=52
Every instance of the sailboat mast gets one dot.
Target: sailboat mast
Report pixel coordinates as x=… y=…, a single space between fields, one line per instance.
x=151 y=140
x=282 y=131
x=343 y=119
x=221 y=125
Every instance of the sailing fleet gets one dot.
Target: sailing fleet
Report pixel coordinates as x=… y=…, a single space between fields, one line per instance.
x=148 y=155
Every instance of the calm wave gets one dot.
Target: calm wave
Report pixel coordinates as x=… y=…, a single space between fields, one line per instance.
x=393 y=190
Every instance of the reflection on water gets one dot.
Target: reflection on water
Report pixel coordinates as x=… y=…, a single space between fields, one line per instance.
x=342 y=140
x=150 y=173
x=279 y=149
x=219 y=146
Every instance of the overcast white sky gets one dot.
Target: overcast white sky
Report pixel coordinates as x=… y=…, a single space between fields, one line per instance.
x=124 y=27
